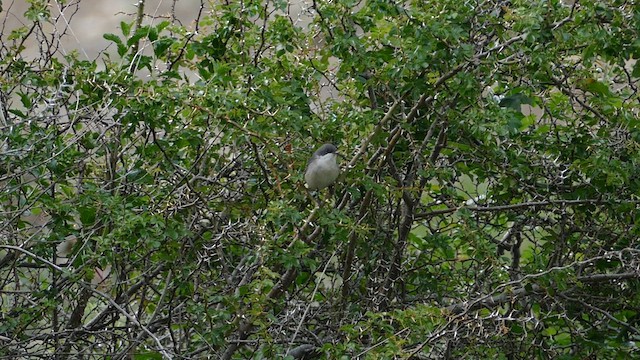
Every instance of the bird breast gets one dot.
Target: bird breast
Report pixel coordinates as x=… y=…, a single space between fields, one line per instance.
x=323 y=172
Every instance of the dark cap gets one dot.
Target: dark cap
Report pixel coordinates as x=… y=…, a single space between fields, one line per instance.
x=326 y=149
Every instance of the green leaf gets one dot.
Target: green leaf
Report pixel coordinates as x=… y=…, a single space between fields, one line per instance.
x=636 y=70
x=140 y=33
x=162 y=25
x=122 y=48
x=126 y=28
x=563 y=339
x=112 y=37
x=87 y=215
x=148 y=356
x=595 y=87
x=26 y=101
x=161 y=45
x=139 y=176
x=153 y=34
x=18 y=113
x=515 y=101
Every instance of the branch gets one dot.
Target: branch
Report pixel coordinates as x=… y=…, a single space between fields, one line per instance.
x=88 y=287
x=523 y=205
x=499 y=299
x=603 y=312
x=492 y=301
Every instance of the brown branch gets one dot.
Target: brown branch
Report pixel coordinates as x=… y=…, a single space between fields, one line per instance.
x=245 y=327
x=138 y=24
x=183 y=49
x=489 y=300
x=348 y=262
x=603 y=312
x=90 y=288
x=524 y=205
x=506 y=296
x=492 y=301
x=608 y=277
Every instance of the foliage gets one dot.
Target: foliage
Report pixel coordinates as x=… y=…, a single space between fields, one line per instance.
x=152 y=200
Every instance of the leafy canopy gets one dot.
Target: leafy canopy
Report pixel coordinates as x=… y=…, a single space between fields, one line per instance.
x=153 y=204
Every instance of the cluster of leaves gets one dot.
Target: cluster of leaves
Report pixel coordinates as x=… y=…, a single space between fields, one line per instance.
x=152 y=202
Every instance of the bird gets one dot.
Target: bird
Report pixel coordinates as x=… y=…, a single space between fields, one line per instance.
x=322 y=168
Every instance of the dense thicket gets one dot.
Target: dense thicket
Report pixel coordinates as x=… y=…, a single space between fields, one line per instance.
x=152 y=201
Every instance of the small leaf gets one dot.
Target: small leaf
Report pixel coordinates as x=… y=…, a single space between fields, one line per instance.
x=139 y=176
x=139 y=34
x=122 y=49
x=126 y=28
x=162 y=26
x=160 y=47
x=594 y=86
x=153 y=34
x=17 y=113
x=112 y=37
x=515 y=101
x=87 y=215
x=636 y=70
x=53 y=165
x=148 y=356
x=26 y=102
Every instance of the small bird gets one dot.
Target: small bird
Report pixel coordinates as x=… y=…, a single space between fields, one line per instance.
x=322 y=169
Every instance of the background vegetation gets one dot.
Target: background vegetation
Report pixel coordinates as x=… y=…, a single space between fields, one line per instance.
x=152 y=203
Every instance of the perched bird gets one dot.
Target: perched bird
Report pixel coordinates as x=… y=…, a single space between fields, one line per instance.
x=322 y=168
